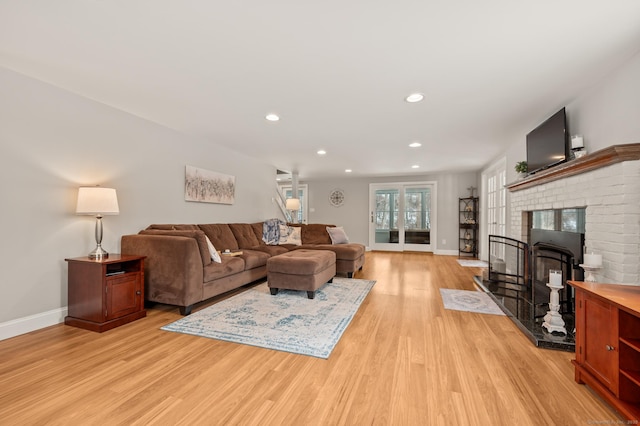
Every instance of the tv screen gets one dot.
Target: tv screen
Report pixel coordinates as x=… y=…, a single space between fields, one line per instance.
x=548 y=144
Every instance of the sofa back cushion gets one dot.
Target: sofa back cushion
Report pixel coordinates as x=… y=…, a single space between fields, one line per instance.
x=315 y=233
x=243 y=232
x=174 y=227
x=258 y=231
x=198 y=235
x=220 y=235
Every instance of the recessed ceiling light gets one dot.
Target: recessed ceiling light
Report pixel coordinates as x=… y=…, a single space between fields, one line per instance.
x=322 y=152
x=415 y=166
x=272 y=117
x=348 y=170
x=414 y=97
x=415 y=144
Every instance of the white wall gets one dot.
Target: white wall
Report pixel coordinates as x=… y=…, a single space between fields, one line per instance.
x=51 y=142
x=609 y=113
x=606 y=114
x=354 y=215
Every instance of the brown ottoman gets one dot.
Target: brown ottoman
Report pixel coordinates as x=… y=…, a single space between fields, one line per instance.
x=305 y=270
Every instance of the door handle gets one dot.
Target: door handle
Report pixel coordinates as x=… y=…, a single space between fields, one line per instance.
x=609 y=347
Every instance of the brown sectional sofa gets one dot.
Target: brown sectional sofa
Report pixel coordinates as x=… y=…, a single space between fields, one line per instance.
x=179 y=270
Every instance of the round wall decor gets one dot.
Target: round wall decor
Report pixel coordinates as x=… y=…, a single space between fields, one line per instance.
x=336 y=197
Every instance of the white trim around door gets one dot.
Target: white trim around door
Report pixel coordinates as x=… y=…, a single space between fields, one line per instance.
x=403 y=216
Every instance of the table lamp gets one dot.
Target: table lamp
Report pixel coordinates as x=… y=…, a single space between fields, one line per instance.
x=98 y=201
x=293 y=204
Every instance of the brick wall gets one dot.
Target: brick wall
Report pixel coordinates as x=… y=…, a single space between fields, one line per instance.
x=611 y=196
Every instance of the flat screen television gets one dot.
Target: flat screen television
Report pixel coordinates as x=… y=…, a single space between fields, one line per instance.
x=548 y=144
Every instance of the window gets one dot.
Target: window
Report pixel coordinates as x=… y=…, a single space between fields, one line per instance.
x=572 y=220
x=544 y=219
x=387 y=209
x=417 y=208
x=569 y=220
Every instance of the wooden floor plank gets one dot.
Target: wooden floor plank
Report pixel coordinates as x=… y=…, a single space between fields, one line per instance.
x=404 y=359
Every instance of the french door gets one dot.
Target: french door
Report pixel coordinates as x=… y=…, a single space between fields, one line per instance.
x=494 y=191
x=402 y=216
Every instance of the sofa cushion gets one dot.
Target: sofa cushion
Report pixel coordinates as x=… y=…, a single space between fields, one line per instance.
x=271 y=250
x=174 y=227
x=337 y=235
x=290 y=235
x=258 y=231
x=230 y=265
x=315 y=234
x=243 y=232
x=198 y=235
x=351 y=251
x=220 y=235
x=254 y=258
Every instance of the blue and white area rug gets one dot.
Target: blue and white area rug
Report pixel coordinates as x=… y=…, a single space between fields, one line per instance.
x=472 y=263
x=469 y=301
x=288 y=321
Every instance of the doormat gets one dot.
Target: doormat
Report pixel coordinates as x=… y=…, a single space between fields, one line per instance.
x=472 y=263
x=469 y=301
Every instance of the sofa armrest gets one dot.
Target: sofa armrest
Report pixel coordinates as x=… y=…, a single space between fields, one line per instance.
x=173 y=267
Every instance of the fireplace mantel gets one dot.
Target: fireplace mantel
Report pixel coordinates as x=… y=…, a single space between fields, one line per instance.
x=604 y=157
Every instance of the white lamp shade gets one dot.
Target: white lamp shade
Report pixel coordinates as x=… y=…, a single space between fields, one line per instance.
x=293 y=204
x=95 y=200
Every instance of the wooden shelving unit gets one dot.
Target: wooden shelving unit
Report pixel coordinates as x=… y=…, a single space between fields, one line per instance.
x=468 y=227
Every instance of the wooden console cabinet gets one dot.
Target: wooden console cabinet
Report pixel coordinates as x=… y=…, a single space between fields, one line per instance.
x=608 y=343
x=107 y=293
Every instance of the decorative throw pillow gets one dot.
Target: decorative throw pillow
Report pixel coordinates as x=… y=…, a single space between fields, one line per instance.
x=337 y=234
x=215 y=256
x=290 y=235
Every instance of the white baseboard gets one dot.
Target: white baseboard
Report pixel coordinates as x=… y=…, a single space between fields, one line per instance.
x=28 y=324
x=446 y=252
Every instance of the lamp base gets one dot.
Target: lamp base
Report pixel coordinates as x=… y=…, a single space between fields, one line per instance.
x=98 y=253
x=294 y=216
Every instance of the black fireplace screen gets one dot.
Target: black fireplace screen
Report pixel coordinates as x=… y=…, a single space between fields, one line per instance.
x=518 y=273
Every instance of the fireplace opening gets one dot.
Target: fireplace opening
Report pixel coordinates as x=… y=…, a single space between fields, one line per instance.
x=519 y=274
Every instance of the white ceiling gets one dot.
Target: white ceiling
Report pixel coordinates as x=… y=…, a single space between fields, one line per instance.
x=336 y=71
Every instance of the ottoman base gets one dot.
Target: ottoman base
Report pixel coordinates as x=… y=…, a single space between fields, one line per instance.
x=310 y=294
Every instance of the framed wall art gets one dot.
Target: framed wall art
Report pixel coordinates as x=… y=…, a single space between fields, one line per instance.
x=336 y=197
x=205 y=186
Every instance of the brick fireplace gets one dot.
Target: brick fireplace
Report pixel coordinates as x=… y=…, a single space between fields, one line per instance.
x=607 y=184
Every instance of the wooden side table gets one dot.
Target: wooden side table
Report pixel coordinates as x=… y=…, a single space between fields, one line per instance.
x=107 y=293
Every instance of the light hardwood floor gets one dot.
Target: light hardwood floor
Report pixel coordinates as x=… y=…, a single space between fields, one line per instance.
x=403 y=360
